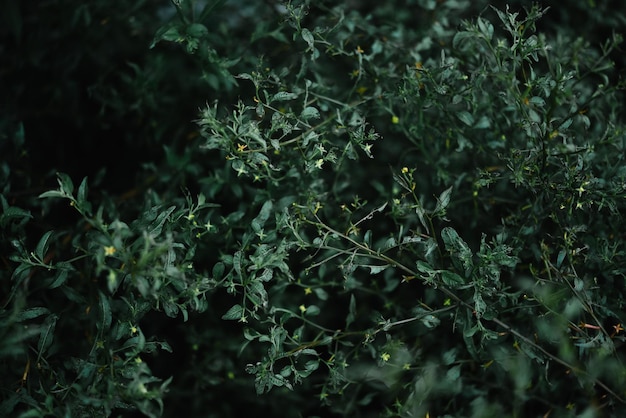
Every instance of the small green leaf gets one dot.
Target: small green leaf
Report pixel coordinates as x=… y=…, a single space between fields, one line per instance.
x=52 y=193
x=312 y=310
x=458 y=249
x=320 y=293
x=453 y=373
x=218 y=270
x=157 y=226
x=13 y=212
x=423 y=267
x=105 y=312
x=430 y=321
x=460 y=37
x=65 y=183
x=42 y=246
x=351 y=311
x=81 y=196
x=197 y=30
x=31 y=313
x=169 y=32
x=310 y=112
x=443 y=201
x=377 y=269
x=451 y=279
x=283 y=96
x=236 y=312
x=237 y=263
x=466 y=118
x=47 y=334
x=308 y=37
x=486 y=28
x=479 y=305
x=263 y=216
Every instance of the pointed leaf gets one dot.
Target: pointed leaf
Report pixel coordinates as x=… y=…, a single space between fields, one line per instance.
x=444 y=200
x=47 y=334
x=351 y=311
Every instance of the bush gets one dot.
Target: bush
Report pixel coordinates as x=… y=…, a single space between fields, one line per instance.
x=381 y=210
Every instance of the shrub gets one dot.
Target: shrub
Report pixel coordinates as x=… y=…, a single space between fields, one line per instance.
x=383 y=211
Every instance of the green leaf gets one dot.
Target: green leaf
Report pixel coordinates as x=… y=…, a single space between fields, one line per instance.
x=458 y=249
x=308 y=37
x=81 y=197
x=451 y=279
x=430 y=321
x=197 y=30
x=377 y=269
x=460 y=37
x=443 y=201
x=237 y=263
x=351 y=311
x=283 y=96
x=453 y=373
x=60 y=277
x=258 y=222
x=486 y=28
x=310 y=112
x=423 y=267
x=218 y=270
x=236 y=312
x=31 y=313
x=465 y=117
x=66 y=184
x=13 y=212
x=42 y=246
x=309 y=367
x=105 y=312
x=171 y=32
x=52 y=193
x=320 y=293
x=312 y=310
x=479 y=305
x=157 y=226
x=47 y=334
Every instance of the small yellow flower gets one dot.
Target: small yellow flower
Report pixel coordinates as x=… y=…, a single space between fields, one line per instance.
x=241 y=147
x=133 y=330
x=109 y=251
x=319 y=163
x=405 y=170
x=395 y=120
x=138 y=360
x=385 y=357
x=308 y=291
x=406 y=366
x=359 y=50
x=302 y=308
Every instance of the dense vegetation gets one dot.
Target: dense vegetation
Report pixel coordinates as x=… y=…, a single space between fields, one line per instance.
x=312 y=208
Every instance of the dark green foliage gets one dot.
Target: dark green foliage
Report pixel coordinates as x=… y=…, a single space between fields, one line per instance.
x=312 y=209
